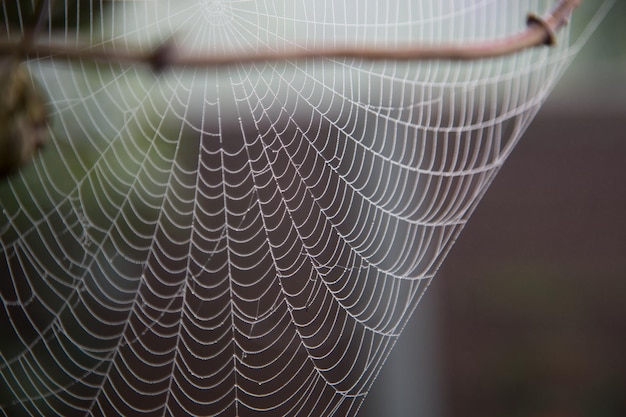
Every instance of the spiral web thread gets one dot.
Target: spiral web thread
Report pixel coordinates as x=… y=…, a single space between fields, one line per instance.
x=227 y=241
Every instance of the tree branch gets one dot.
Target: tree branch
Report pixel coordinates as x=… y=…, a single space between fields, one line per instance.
x=539 y=31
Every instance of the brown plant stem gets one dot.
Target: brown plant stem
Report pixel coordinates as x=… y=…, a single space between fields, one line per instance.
x=539 y=31
x=39 y=18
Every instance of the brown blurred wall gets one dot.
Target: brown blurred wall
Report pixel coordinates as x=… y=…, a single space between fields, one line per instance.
x=533 y=295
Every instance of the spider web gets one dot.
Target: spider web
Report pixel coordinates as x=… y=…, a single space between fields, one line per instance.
x=227 y=241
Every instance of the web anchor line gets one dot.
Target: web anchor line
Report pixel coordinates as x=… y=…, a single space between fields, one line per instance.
x=539 y=31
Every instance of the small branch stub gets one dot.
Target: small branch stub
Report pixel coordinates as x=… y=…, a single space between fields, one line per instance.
x=533 y=20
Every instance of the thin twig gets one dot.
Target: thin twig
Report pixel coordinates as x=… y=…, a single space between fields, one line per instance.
x=539 y=31
x=39 y=18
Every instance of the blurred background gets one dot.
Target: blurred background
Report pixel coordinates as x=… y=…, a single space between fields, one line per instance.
x=527 y=315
